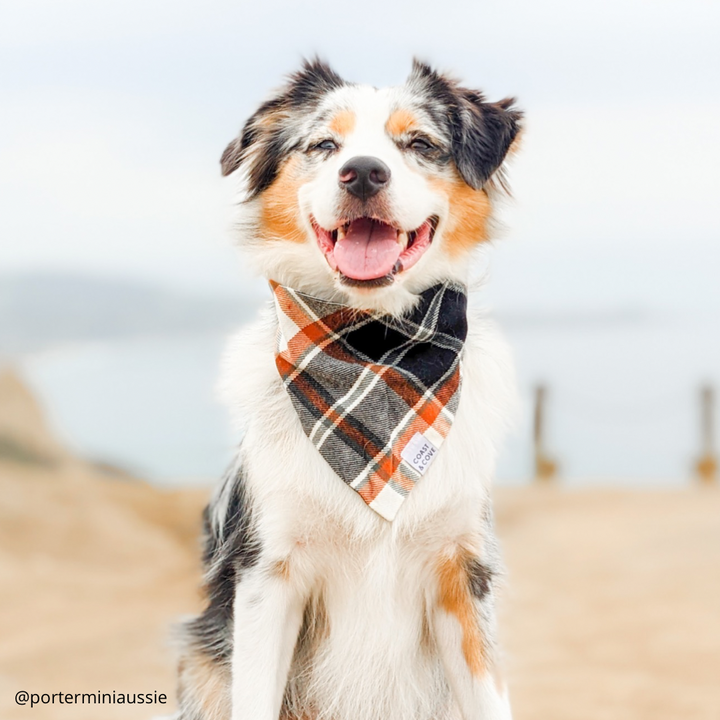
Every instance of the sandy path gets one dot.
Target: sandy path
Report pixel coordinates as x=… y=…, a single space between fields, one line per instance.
x=612 y=608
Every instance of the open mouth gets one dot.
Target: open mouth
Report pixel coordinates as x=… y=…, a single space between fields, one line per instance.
x=369 y=252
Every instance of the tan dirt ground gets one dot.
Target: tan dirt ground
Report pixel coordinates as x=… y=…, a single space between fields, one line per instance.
x=611 y=609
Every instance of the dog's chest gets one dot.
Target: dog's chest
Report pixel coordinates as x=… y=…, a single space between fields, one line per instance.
x=291 y=481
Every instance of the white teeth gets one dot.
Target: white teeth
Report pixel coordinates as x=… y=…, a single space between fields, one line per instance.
x=403 y=239
x=341 y=232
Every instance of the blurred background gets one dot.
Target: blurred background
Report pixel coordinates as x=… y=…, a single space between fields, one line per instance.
x=119 y=285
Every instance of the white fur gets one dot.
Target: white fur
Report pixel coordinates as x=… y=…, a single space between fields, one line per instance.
x=377 y=578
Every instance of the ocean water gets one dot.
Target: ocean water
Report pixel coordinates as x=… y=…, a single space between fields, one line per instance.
x=622 y=399
x=146 y=405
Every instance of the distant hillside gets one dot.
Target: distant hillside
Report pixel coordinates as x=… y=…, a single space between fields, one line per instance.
x=24 y=434
x=38 y=311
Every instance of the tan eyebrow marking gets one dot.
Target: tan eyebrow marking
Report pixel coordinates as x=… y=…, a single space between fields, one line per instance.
x=342 y=123
x=400 y=122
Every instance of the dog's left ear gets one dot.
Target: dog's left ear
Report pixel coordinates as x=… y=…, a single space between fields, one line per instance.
x=481 y=132
x=482 y=136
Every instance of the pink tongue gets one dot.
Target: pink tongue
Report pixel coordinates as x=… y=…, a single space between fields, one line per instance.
x=368 y=251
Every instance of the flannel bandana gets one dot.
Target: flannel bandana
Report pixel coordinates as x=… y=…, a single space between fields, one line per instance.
x=376 y=395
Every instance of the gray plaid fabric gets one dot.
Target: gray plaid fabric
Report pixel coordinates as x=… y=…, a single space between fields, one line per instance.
x=376 y=395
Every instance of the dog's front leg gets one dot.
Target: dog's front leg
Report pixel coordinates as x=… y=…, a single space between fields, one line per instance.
x=462 y=620
x=268 y=612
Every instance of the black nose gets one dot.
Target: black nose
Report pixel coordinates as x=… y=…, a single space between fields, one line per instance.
x=363 y=177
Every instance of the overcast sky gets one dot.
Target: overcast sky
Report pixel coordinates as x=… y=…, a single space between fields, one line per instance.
x=113 y=116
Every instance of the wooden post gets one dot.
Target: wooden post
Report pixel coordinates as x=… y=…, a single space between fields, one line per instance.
x=707 y=466
x=545 y=467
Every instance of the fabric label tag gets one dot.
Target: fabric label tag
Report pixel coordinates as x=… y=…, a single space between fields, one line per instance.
x=419 y=453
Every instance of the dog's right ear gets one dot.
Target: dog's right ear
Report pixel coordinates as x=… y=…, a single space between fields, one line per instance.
x=260 y=129
x=268 y=137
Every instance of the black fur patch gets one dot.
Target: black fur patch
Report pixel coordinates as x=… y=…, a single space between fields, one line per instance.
x=315 y=79
x=230 y=548
x=268 y=137
x=479 y=578
x=480 y=132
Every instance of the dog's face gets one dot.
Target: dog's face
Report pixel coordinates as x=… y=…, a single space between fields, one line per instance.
x=369 y=196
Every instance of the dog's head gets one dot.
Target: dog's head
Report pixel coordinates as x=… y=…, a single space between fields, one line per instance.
x=369 y=195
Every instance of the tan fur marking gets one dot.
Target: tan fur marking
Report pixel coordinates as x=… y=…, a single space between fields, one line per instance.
x=279 y=214
x=467 y=223
x=343 y=123
x=282 y=569
x=455 y=598
x=268 y=120
x=208 y=683
x=400 y=122
x=515 y=145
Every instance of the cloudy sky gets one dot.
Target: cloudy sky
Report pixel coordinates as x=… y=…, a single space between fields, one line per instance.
x=114 y=115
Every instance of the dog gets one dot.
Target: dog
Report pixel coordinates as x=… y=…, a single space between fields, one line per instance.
x=351 y=568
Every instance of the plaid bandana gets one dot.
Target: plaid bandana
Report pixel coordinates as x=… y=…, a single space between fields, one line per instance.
x=376 y=395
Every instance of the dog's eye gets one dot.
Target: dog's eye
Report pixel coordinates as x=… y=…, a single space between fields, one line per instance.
x=420 y=144
x=327 y=145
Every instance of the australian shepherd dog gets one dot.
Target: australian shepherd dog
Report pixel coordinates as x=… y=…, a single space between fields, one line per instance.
x=342 y=585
